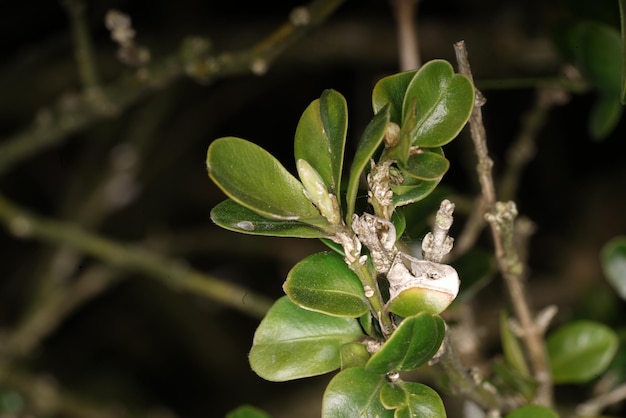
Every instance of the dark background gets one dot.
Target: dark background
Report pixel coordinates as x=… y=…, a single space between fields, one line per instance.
x=139 y=348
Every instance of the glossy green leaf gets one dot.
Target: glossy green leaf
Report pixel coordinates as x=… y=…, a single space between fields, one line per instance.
x=581 y=350
x=444 y=103
x=427 y=165
x=246 y=411
x=533 y=411
x=291 y=342
x=370 y=142
x=412 y=190
x=235 y=217
x=391 y=90
x=413 y=343
x=321 y=135
x=323 y=282
x=255 y=179
x=511 y=347
x=354 y=392
x=614 y=264
x=412 y=400
x=353 y=355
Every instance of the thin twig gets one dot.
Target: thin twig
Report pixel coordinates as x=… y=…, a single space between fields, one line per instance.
x=55 y=124
x=171 y=272
x=408 y=48
x=501 y=218
x=463 y=383
x=593 y=407
x=523 y=148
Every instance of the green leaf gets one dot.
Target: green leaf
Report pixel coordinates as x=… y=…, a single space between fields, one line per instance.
x=246 y=411
x=596 y=49
x=580 y=351
x=511 y=347
x=391 y=90
x=255 y=179
x=354 y=392
x=427 y=165
x=412 y=400
x=324 y=283
x=413 y=343
x=235 y=217
x=614 y=264
x=412 y=190
x=321 y=135
x=515 y=381
x=370 y=141
x=291 y=342
x=353 y=355
x=604 y=115
x=444 y=103
x=533 y=411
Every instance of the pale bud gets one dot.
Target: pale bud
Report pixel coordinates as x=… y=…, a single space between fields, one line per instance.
x=317 y=192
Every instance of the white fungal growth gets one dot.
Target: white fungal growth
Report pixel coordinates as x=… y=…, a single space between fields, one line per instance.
x=245 y=225
x=409 y=272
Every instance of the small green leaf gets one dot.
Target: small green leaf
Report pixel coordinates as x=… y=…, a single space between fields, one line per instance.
x=235 y=217
x=580 y=351
x=604 y=115
x=354 y=392
x=246 y=411
x=426 y=165
x=412 y=190
x=255 y=179
x=321 y=135
x=370 y=141
x=391 y=90
x=323 y=282
x=444 y=103
x=291 y=342
x=614 y=264
x=413 y=343
x=412 y=400
x=533 y=411
x=511 y=346
x=516 y=382
x=353 y=355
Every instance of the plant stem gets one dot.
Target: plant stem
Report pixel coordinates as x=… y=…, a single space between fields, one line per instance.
x=404 y=13
x=501 y=218
x=462 y=382
x=376 y=300
x=171 y=272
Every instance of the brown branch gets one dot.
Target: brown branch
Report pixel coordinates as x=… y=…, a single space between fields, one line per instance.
x=501 y=218
x=173 y=273
x=404 y=13
x=54 y=125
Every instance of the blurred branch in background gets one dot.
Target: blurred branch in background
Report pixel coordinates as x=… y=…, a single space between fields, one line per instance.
x=195 y=59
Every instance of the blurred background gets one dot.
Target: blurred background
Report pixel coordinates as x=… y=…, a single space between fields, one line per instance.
x=120 y=153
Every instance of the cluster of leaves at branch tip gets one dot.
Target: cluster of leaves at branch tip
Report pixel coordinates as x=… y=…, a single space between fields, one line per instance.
x=334 y=316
